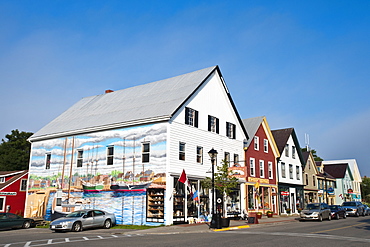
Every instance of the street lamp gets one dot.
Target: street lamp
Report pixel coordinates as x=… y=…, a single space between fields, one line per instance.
x=213 y=155
x=326 y=188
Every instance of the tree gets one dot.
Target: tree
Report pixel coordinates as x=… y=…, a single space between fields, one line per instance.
x=365 y=189
x=15 y=151
x=313 y=151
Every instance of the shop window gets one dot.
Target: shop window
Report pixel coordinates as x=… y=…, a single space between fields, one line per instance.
x=251 y=197
x=110 y=155
x=193 y=199
x=191 y=117
x=80 y=154
x=252 y=167
x=145 y=155
x=200 y=155
x=213 y=124
x=178 y=201
x=47 y=161
x=182 y=151
x=233 y=204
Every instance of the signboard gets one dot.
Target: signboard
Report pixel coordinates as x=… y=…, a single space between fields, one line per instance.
x=8 y=193
x=259 y=180
x=284 y=193
x=350 y=191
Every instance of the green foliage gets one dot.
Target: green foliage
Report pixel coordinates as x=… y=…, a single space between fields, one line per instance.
x=365 y=189
x=313 y=151
x=224 y=181
x=15 y=151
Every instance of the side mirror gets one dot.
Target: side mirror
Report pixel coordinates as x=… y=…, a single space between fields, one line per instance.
x=85 y=216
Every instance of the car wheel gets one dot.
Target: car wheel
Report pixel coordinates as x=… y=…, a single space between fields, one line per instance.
x=329 y=217
x=337 y=216
x=76 y=227
x=107 y=224
x=26 y=224
x=320 y=218
x=357 y=214
x=344 y=216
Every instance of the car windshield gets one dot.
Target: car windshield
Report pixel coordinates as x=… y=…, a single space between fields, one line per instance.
x=349 y=204
x=333 y=207
x=76 y=214
x=312 y=206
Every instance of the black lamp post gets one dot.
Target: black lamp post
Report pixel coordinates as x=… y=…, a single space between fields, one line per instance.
x=326 y=188
x=214 y=223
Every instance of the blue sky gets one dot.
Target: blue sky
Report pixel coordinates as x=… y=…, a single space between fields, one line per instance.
x=302 y=64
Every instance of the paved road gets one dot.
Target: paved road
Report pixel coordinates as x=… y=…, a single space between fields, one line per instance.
x=349 y=232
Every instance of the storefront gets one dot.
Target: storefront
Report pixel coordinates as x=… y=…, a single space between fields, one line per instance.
x=291 y=199
x=261 y=196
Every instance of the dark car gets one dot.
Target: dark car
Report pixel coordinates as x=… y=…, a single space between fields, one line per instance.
x=315 y=211
x=9 y=220
x=366 y=209
x=82 y=219
x=354 y=208
x=337 y=212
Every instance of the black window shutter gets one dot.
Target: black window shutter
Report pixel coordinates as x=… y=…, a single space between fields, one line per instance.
x=196 y=119
x=186 y=115
x=217 y=126
x=234 y=129
x=209 y=123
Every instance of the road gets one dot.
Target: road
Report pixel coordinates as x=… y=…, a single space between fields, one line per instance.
x=345 y=232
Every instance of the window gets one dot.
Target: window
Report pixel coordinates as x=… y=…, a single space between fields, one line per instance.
x=47 y=162
x=2 y=179
x=262 y=168
x=182 y=151
x=191 y=117
x=270 y=170
x=213 y=124
x=227 y=158
x=80 y=154
x=293 y=152
x=199 y=155
x=256 y=143
x=252 y=168
x=298 y=173
x=2 y=204
x=23 y=185
x=230 y=130
x=313 y=180
x=287 y=150
x=290 y=171
x=265 y=145
x=145 y=152
x=306 y=179
x=283 y=172
x=110 y=155
x=236 y=159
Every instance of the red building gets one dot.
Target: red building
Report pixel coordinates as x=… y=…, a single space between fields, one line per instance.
x=13 y=188
x=261 y=154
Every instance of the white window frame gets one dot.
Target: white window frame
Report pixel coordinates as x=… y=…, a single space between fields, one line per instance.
x=80 y=157
x=265 y=145
x=291 y=176
x=2 y=207
x=283 y=169
x=287 y=150
x=21 y=184
x=256 y=143
x=182 y=151
x=271 y=174
x=252 y=167
x=230 y=130
x=199 y=155
x=298 y=173
x=110 y=157
x=145 y=152
x=262 y=168
x=191 y=117
x=2 y=180
x=47 y=161
x=293 y=152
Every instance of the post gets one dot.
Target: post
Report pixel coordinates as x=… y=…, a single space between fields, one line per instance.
x=326 y=189
x=215 y=219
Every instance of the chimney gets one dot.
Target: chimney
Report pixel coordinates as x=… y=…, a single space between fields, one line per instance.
x=109 y=91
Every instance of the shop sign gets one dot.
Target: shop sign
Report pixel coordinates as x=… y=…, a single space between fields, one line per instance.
x=8 y=193
x=349 y=191
x=284 y=193
x=238 y=172
x=259 y=180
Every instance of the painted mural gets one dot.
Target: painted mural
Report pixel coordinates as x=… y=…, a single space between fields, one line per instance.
x=110 y=170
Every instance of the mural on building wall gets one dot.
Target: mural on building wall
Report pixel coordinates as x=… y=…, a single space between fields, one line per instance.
x=110 y=170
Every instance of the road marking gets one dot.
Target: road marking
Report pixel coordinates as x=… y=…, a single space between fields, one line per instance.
x=27 y=244
x=50 y=241
x=86 y=238
x=67 y=240
x=339 y=228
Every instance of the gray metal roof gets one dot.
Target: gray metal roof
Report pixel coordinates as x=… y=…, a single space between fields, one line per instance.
x=156 y=101
x=251 y=125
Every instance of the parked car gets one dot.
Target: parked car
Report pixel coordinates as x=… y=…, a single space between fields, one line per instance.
x=354 y=208
x=337 y=212
x=82 y=219
x=315 y=211
x=9 y=220
x=366 y=209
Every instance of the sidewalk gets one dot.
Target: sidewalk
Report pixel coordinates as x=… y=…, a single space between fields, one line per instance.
x=199 y=228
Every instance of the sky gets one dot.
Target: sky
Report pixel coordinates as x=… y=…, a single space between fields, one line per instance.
x=302 y=64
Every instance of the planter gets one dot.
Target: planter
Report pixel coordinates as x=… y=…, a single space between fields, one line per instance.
x=225 y=222
x=259 y=215
x=269 y=215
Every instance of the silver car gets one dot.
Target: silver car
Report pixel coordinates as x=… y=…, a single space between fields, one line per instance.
x=316 y=211
x=82 y=219
x=354 y=208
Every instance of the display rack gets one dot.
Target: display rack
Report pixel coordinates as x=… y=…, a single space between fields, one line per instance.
x=155 y=205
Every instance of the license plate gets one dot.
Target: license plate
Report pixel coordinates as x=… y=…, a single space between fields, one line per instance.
x=52 y=227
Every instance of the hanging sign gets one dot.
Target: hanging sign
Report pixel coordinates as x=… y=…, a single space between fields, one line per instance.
x=8 y=193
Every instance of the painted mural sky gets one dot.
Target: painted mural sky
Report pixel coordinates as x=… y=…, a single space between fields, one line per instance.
x=301 y=64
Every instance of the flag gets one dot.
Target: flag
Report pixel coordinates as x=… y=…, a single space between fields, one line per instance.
x=184 y=179
x=195 y=196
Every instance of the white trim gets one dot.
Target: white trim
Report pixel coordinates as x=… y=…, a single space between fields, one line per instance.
x=252 y=160
x=3 y=206
x=262 y=168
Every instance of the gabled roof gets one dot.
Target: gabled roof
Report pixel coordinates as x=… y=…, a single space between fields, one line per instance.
x=148 y=103
x=338 y=170
x=16 y=175
x=281 y=137
x=252 y=124
x=352 y=165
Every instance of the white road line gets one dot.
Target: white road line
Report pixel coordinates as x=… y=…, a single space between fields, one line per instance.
x=86 y=238
x=50 y=241
x=100 y=237
x=27 y=244
x=67 y=240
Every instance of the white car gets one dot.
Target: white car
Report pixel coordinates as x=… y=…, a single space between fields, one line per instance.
x=82 y=219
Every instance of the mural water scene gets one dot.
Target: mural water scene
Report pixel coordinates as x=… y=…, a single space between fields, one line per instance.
x=109 y=170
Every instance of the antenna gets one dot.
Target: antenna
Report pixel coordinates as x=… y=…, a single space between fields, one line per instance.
x=307 y=141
